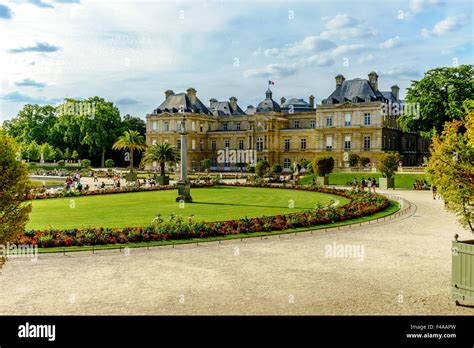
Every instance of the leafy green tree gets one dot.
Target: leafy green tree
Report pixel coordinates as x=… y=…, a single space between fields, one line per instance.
x=206 y=165
x=261 y=168
x=74 y=155
x=133 y=123
x=304 y=163
x=33 y=123
x=34 y=151
x=162 y=153
x=48 y=152
x=323 y=165
x=440 y=94
x=100 y=127
x=67 y=154
x=131 y=141
x=58 y=154
x=276 y=168
x=110 y=163
x=451 y=166
x=86 y=163
x=388 y=164
x=14 y=188
x=61 y=164
x=354 y=159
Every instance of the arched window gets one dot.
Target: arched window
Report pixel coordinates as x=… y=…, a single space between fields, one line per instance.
x=259 y=144
x=286 y=163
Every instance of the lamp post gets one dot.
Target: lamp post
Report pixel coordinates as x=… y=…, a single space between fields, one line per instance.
x=184 y=187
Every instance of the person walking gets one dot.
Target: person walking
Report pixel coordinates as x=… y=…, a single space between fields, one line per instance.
x=435 y=191
x=374 y=183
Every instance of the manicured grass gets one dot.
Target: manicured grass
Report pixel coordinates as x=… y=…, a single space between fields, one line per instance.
x=393 y=208
x=401 y=180
x=140 y=208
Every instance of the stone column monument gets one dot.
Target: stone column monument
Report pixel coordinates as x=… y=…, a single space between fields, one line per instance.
x=184 y=187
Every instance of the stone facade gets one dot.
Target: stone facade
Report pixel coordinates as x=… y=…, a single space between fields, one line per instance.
x=340 y=125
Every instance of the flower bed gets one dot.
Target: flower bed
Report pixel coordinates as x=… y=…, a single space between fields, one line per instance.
x=177 y=227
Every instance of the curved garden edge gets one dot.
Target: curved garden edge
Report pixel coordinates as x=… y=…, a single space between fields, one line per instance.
x=362 y=208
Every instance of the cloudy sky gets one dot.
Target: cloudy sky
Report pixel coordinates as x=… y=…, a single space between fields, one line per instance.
x=130 y=52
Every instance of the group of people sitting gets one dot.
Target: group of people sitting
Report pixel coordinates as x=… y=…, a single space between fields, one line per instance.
x=370 y=183
x=420 y=185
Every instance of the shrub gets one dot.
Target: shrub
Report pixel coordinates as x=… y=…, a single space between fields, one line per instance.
x=310 y=168
x=85 y=163
x=276 y=168
x=261 y=167
x=61 y=164
x=304 y=163
x=354 y=159
x=324 y=165
x=388 y=164
x=363 y=161
x=110 y=163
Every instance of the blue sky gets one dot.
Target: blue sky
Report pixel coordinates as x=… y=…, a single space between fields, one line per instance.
x=130 y=52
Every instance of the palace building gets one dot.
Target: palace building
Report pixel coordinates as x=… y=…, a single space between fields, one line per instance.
x=353 y=119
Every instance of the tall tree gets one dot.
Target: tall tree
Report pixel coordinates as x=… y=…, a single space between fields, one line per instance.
x=100 y=124
x=133 y=123
x=440 y=94
x=14 y=187
x=163 y=153
x=131 y=141
x=451 y=166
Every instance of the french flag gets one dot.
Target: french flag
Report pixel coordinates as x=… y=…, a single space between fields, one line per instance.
x=271 y=82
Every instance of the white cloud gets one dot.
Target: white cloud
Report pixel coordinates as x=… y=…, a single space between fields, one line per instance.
x=401 y=73
x=391 y=43
x=271 y=70
x=450 y=23
x=347 y=49
x=309 y=44
x=421 y=5
x=343 y=26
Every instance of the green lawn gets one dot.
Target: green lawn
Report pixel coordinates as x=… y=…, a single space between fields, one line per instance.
x=47 y=183
x=401 y=180
x=140 y=208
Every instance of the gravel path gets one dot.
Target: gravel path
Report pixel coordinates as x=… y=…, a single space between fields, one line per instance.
x=400 y=267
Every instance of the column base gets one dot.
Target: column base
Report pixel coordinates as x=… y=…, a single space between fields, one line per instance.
x=184 y=192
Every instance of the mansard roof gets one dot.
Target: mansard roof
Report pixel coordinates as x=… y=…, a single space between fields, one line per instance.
x=225 y=108
x=356 y=90
x=174 y=102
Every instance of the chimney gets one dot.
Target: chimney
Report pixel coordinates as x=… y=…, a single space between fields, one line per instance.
x=374 y=80
x=311 y=101
x=233 y=103
x=282 y=100
x=168 y=93
x=339 y=80
x=395 y=91
x=191 y=93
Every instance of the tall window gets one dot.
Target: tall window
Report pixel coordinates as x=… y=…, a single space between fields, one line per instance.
x=201 y=127
x=329 y=143
x=193 y=165
x=347 y=143
x=241 y=144
x=367 y=143
x=312 y=123
x=155 y=125
x=224 y=126
x=259 y=144
x=303 y=144
x=287 y=144
x=213 y=145
x=167 y=127
x=193 y=126
x=237 y=126
x=287 y=163
x=328 y=121
x=296 y=124
x=213 y=162
x=226 y=143
x=367 y=119
x=193 y=144
x=178 y=144
x=347 y=120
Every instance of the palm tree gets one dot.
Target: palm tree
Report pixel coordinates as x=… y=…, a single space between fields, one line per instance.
x=162 y=153
x=130 y=140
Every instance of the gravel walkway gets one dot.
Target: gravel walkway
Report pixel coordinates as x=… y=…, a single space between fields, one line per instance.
x=400 y=267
